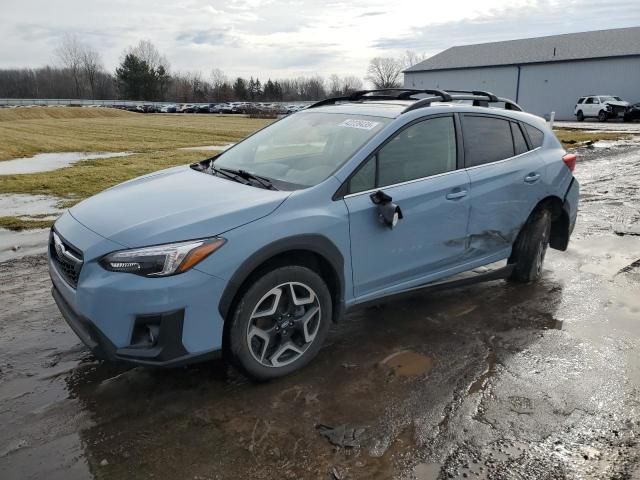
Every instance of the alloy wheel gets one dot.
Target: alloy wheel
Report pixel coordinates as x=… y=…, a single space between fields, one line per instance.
x=283 y=325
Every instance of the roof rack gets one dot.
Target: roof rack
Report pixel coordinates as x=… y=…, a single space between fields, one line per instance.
x=480 y=98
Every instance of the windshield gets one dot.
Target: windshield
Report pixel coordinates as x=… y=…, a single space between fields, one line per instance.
x=610 y=99
x=302 y=149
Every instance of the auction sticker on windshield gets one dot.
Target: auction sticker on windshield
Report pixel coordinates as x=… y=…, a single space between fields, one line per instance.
x=361 y=124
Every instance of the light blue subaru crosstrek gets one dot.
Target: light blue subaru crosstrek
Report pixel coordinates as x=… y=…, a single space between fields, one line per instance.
x=256 y=251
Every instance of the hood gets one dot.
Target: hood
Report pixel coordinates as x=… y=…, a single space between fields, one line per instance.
x=173 y=205
x=618 y=103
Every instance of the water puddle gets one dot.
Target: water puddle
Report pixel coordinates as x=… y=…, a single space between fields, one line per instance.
x=46 y=162
x=408 y=363
x=207 y=148
x=24 y=205
x=15 y=245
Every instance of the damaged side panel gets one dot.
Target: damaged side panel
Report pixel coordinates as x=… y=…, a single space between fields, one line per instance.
x=502 y=196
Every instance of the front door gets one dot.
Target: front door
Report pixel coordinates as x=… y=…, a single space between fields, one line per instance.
x=417 y=168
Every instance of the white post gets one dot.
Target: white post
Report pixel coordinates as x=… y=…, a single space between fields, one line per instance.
x=552 y=117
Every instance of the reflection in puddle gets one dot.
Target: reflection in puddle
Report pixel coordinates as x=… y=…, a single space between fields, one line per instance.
x=46 y=162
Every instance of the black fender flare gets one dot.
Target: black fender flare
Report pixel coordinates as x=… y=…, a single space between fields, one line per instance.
x=313 y=243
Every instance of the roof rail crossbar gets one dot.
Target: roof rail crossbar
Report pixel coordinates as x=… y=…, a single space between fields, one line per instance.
x=478 y=101
x=441 y=93
x=479 y=98
x=492 y=97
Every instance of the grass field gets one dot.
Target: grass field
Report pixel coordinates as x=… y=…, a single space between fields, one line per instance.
x=155 y=140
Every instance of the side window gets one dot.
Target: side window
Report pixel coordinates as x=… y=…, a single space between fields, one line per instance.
x=581 y=100
x=519 y=143
x=589 y=101
x=424 y=149
x=536 y=136
x=596 y=100
x=486 y=140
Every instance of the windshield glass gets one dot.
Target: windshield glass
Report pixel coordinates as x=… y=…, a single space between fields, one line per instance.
x=609 y=99
x=302 y=149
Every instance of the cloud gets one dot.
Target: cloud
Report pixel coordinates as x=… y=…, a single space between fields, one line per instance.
x=209 y=37
x=540 y=18
x=277 y=38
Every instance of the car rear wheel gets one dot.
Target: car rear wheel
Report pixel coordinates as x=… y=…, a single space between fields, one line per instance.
x=580 y=116
x=530 y=248
x=280 y=322
x=602 y=116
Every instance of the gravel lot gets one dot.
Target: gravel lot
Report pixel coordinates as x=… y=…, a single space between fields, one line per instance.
x=493 y=381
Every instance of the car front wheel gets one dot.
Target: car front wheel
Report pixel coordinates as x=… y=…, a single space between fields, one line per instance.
x=602 y=116
x=530 y=248
x=280 y=322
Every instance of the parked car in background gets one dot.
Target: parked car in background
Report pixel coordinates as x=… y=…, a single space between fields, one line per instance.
x=187 y=108
x=168 y=109
x=632 y=113
x=202 y=108
x=259 y=249
x=602 y=107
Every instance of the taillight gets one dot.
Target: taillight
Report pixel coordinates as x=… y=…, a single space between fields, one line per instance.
x=570 y=161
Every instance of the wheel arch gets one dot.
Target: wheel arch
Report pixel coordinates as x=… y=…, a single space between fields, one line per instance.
x=559 y=238
x=316 y=252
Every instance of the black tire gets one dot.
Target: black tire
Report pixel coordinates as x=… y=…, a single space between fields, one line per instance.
x=530 y=248
x=245 y=350
x=602 y=116
x=580 y=116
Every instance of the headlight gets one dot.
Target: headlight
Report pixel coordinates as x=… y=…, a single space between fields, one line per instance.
x=161 y=260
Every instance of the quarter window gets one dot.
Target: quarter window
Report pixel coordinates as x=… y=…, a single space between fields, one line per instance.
x=486 y=140
x=535 y=135
x=424 y=149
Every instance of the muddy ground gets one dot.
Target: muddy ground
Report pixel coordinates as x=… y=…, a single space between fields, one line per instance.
x=494 y=381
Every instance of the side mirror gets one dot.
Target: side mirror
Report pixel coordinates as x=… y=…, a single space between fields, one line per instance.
x=388 y=212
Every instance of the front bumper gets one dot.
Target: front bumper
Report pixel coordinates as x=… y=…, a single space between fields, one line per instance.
x=167 y=352
x=165 y=321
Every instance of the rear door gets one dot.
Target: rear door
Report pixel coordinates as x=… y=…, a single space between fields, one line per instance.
x=418 y=169
x=506 y=175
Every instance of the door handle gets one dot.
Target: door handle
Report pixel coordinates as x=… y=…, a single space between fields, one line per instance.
x=456 y=195
x=532 y=177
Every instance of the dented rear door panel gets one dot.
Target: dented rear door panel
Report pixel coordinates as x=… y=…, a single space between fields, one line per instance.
x=502 y=197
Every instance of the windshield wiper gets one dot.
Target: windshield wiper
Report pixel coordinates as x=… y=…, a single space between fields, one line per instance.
x=265 y=182
x=233 y=176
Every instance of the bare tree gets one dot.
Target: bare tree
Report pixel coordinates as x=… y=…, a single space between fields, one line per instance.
x=351 y=84
x=218 y=82
x=411 y=58
x=384 y=72
x=148 y=52
x=70 y=52
x=91 y=61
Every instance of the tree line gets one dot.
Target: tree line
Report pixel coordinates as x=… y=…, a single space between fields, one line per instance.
x=144 y=74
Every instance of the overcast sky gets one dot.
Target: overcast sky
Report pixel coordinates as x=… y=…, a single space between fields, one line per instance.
x=276 y=39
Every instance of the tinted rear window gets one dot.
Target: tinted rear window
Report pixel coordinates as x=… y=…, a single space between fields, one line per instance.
x=536 y=136
x=486 y=140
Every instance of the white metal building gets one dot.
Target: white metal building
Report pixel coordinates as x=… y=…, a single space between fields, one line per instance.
x=542 y=74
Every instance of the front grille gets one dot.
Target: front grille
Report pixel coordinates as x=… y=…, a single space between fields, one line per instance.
x=67 y=259
x=617 y=109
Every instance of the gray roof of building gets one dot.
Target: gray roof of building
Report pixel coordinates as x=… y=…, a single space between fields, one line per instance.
x=556 y=48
